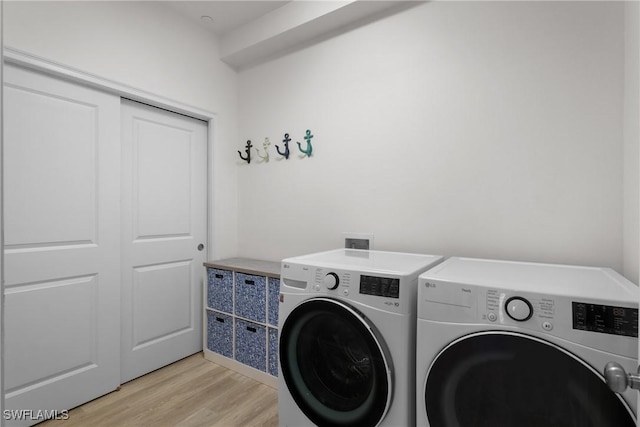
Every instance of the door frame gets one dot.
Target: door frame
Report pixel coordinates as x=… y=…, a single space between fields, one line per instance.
x=29 y=61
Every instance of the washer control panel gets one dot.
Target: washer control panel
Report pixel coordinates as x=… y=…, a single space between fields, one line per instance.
x=377 y=286
x=386 y=287
x=331 y=281
x=376 y=290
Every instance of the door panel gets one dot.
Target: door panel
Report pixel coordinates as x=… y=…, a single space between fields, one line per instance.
x=56 y=325
x=56 y=181
x=171 y=312
x=62 y=221
x=164 y=221
x=163 y=180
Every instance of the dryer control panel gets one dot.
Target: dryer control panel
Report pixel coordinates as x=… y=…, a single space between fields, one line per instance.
x=591 y=323
x=519 y=307
x=594 y=307
x=524 y=309
x=605 y=319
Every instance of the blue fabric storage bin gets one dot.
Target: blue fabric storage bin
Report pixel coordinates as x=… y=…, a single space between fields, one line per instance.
x=220 y=333
x=273 y=352
x=250 y=292
x=220 y=290
x=274 y=300
x=251 y=344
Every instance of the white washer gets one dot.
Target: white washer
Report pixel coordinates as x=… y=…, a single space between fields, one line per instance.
x=347 y=338
x=506 y=344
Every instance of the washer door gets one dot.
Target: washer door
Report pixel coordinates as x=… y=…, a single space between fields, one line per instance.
x=499 y=379
x=335 y=365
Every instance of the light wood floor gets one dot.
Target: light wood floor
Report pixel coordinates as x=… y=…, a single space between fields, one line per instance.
x=192 y=392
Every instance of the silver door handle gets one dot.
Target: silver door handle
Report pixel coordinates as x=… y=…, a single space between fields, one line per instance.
x=200 y=247
x=617 y=378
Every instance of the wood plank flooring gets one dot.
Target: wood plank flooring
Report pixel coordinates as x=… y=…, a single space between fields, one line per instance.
x=192 y=392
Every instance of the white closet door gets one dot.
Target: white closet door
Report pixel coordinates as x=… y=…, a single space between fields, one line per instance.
x=62 y=237
x=164 y=175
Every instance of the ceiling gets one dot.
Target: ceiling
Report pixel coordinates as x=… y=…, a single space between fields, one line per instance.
x=225 y=15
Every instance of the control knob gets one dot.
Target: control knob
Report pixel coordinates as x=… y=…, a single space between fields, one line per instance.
x=519 y=309
x=331 y=281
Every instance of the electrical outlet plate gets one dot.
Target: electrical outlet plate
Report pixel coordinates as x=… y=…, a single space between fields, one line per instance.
x=358 y=240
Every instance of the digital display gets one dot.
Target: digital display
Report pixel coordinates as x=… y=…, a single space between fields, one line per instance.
x=605 y=319
x=380 y=286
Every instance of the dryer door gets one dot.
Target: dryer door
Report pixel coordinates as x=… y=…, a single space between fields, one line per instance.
x=503 y=379
x=335 y=365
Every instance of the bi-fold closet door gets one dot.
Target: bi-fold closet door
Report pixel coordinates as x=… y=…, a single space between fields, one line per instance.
x=105 y=208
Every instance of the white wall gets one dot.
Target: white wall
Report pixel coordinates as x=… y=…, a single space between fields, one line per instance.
x=1 y=223
x=147 y=46
x=631 y=141
x=486 y=129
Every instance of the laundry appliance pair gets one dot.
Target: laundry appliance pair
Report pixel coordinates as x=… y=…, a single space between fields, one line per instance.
x=498 y=344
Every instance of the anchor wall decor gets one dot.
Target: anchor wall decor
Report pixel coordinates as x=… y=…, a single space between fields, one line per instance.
x=247 y=150
x=265 y=146
x=286 y=140
x=309 y=149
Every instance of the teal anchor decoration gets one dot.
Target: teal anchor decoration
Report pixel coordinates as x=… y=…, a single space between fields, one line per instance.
x=309 y=148
x=265 y=145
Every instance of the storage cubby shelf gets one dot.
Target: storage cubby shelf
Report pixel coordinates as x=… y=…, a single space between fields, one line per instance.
x=241 y=316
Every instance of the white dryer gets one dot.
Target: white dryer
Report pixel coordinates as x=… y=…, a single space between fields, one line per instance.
x=347 y=338
x=504 y=344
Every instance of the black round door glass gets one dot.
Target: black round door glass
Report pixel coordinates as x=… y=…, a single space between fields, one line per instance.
x=499 y=380
x=333 y=366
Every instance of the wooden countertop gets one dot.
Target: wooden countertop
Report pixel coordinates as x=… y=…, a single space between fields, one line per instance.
x=247 y=266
